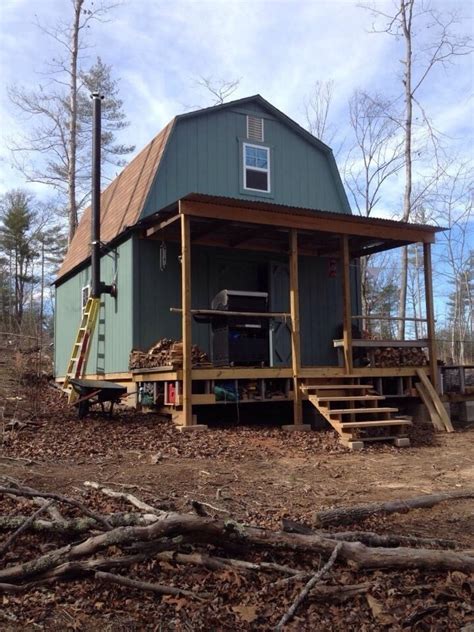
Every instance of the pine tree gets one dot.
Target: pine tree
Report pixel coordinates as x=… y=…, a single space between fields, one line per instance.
x=17 y=245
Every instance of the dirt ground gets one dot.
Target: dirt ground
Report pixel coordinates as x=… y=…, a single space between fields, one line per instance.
x=258 y=475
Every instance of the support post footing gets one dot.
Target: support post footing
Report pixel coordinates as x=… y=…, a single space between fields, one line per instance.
x=297 y=428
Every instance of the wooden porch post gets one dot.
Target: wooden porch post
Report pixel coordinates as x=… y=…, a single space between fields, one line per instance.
x=430 y=316
x=347 y=310
x=186 y=319
x=295 y=328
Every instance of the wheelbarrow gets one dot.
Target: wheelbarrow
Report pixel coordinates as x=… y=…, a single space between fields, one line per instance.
x=96 y=392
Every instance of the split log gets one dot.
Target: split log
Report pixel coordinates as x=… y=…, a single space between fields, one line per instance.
x=227 y=533
x=303 y=594
x=167 y=352
x=357 y=513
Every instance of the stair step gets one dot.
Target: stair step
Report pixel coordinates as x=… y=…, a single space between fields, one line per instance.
x=375 y=424
x=333 y=387
x=349 y=398
x=345 y=411
x=387 y=438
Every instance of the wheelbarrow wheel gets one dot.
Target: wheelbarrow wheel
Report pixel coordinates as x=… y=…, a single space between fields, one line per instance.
x=83 y=409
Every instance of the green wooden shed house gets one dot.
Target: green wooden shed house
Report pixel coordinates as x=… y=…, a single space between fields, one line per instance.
x=234 y=197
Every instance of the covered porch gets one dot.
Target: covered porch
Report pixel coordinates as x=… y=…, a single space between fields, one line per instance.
x=266 y=227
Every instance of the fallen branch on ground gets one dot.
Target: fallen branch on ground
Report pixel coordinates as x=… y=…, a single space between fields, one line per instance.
x=136 y=502
x=156 y=588
x=316 y=577
x=28 y=492
x=357 y=513
x=23 y=527
x=339 y=593
x=227 y=533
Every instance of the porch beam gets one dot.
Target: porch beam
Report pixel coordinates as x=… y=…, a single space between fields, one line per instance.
x=341 y=224
x=372 y=250
x=295 y=329
x=156 y=229
x=430 y=316
x=346 y=304
x=186 y=319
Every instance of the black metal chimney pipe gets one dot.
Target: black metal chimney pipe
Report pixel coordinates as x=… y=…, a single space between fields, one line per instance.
x=95 y=204
x=97 y=287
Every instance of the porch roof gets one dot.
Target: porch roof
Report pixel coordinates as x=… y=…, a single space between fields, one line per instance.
x=232 y=223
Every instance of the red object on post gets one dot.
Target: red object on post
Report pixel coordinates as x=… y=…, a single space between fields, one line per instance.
x=171 y=394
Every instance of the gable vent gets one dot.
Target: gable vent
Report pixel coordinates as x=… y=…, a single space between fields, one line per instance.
x=255 y=128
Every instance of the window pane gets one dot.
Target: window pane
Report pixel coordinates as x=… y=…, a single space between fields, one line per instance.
x=256 y=180
x=251 y=156
x=256 y=157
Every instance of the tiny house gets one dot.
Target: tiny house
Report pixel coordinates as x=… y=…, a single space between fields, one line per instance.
x=231 y=208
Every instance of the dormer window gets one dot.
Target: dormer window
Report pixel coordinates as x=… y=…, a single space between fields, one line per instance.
x=256 y=168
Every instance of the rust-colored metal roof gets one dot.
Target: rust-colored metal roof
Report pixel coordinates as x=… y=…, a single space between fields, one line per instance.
x=121 y=202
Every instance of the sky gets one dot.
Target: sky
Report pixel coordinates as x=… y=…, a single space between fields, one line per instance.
x=277 y=48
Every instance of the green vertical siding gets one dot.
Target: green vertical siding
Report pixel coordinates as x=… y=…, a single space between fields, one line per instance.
x=204 y=155
x=112 y=338
x=214 y=269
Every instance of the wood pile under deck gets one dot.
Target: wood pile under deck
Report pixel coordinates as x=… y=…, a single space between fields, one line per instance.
x=357 y=412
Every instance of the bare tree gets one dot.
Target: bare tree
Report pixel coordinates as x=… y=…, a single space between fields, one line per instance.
x=376 y=156
x=409 y=22
x=54 y=109
x=317 y=105
x=455 y=265
x=219 y=89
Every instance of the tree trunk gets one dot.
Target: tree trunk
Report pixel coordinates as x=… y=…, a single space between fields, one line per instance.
x=356 y=513
x=73 y=120
x=406 y=9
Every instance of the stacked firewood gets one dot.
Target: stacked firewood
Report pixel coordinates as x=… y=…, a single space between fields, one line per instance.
x=396 y=356
x=166 y=352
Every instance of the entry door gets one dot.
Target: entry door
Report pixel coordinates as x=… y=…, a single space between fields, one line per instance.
x=279 y=301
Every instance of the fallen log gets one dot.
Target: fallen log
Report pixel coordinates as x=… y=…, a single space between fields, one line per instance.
x=369 y=537
x=74 y=526
x=28 y=492
x=357 y=513
x=22 y=527
x=227 y=533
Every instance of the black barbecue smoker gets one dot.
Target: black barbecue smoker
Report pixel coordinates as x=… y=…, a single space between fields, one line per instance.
x=240 y=340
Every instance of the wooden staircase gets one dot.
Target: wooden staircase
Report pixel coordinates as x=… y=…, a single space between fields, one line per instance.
x=356 y=411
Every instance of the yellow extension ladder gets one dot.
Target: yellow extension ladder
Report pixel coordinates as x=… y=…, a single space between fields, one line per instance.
x=80 y=351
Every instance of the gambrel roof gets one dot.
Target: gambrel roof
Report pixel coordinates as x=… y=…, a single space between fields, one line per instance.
x=123 y=201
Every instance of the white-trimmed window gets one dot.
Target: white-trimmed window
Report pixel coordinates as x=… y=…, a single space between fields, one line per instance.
x=256 y=167
x=85 y=295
